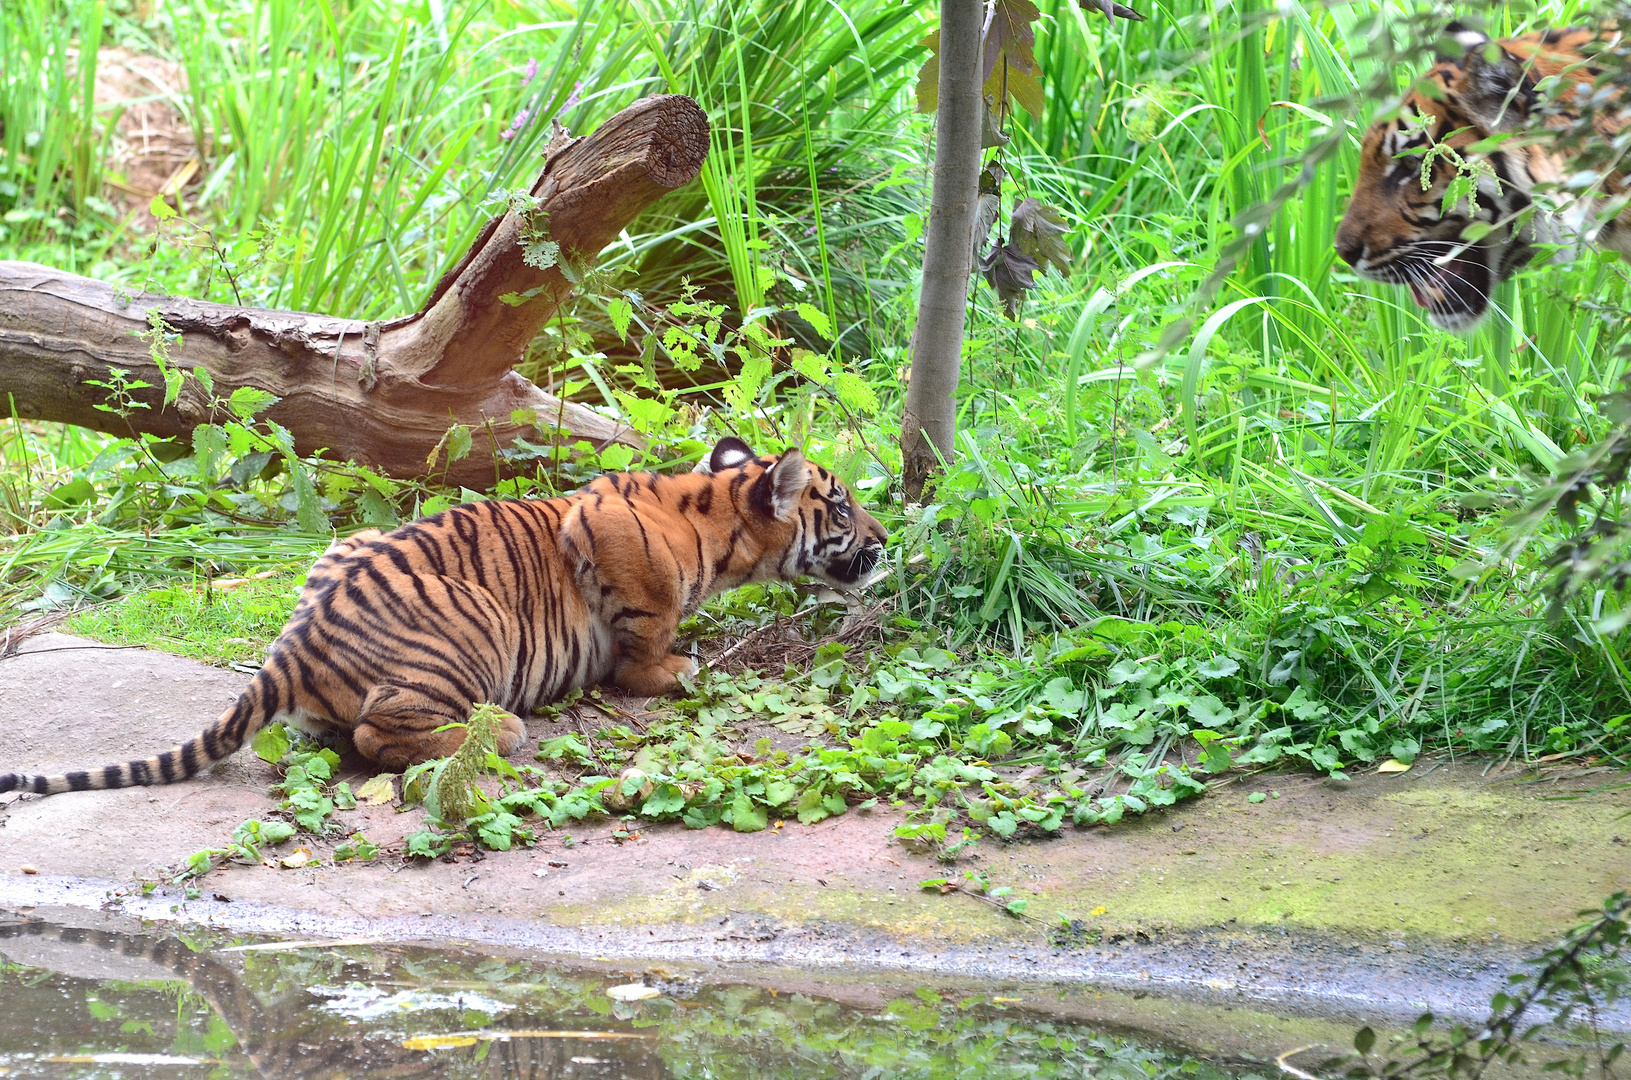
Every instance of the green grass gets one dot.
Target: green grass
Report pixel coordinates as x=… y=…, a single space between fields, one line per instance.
x=219 y=626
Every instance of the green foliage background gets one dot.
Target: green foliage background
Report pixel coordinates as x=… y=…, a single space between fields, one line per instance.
x=1278 y=540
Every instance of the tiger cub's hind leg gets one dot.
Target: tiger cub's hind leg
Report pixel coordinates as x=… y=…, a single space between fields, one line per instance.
x=396 y=727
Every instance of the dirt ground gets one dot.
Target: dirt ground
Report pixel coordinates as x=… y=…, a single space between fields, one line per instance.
x=1375 y=896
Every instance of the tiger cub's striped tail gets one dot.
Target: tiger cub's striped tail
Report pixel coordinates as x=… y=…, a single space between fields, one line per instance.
x=253 y=709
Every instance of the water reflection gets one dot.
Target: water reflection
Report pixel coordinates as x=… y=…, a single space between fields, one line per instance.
x=78 y=1002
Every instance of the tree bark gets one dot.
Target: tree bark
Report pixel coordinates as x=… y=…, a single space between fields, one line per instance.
x=380 y=393
x=930 y=420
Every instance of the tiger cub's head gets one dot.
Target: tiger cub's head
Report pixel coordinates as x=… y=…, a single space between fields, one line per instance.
x=1397 y=228
x=814 y=525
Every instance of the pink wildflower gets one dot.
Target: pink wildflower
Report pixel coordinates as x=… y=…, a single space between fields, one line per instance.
x=516 y=125
x=577 y=91
x=531 y=72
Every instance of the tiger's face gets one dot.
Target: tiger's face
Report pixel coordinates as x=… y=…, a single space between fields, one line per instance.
x=839 y=542
x=822 y=531
x=1397 y=227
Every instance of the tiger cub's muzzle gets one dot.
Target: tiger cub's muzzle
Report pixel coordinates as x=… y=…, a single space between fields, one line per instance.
x=854 y=570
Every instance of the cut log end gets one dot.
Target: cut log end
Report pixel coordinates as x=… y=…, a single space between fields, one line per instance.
x=679 y=144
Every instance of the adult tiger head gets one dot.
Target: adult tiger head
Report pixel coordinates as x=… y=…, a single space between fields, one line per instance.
x=1397 y=229
x=813 y=525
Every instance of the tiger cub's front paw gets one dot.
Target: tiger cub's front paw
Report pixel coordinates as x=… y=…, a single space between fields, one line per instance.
x=654 y=679
x=511 y=734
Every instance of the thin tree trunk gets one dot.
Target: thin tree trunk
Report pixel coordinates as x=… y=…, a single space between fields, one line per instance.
x=381 y=393
x=930 y=422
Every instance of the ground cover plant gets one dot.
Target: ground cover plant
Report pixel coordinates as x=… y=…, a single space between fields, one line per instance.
x=1216 y=503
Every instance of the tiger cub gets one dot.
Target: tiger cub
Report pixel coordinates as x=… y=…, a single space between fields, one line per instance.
x=1397 y=228
x=517 y=601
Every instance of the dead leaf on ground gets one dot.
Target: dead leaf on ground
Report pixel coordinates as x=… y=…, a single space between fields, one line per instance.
x=380 y=789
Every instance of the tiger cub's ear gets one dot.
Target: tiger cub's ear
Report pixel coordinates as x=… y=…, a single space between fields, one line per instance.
x=728 y=453
x=777 y=492
x=1466 y=38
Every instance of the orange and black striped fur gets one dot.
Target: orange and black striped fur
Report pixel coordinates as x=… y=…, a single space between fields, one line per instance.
x=516 y=602
x=1397 y=231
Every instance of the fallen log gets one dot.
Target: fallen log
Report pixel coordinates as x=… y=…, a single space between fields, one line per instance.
x=381 y=393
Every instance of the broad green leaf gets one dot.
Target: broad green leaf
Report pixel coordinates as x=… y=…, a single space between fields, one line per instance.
x=1064 y=696
x=1026 y=90
x=308 y=512
x=247 y=402
x=72 y=493
x=425 y=844
x=616 y=457
x=1209 y=711
x=742 y=393
x=209 y=449
x=621 y=313
x=271 y=743
x=811 y=808
x=747 y=816
x=855 y=392
x=817 y=319
x=1325 y=758
x=1039 y=726
x=665 y=799
x=812 y=366
x=276 y=832
x=540 y=253
x=173 y=378
x=459 y=442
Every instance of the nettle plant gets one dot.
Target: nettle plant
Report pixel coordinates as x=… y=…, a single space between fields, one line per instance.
x=694 y=330
x=240 y=468
x=773 y=391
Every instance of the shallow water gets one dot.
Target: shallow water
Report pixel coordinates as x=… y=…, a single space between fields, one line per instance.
x=82 y=1003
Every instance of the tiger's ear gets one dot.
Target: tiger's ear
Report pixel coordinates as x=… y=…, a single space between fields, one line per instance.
x=778 y=492
x=1466 y=39
x=728 y=453
x=1492 y=90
